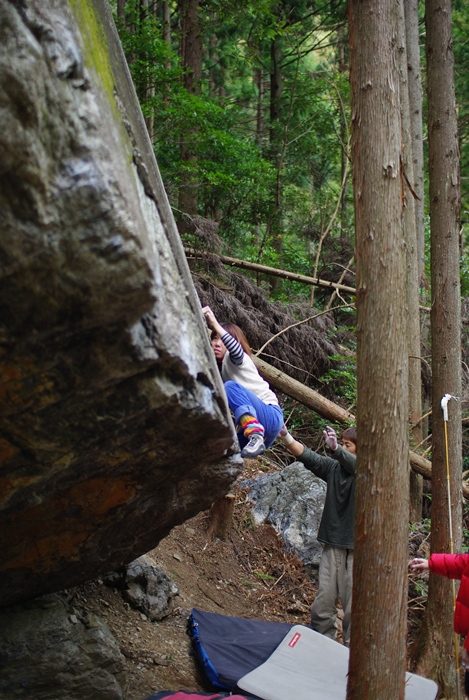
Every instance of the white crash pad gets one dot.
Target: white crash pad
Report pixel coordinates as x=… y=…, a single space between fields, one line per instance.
x=308 y=666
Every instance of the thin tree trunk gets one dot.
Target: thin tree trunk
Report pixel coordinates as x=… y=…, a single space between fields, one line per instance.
x=213 y=55
x=410 y=232
x=435 y=648
x=149 y=87
x=167 y=39
x=344 y=158
x=191 y=54
x=121 y=9
x=411 y=10
x=167 y=26
x=377 y=656
x=277 y=150
x=259 y=81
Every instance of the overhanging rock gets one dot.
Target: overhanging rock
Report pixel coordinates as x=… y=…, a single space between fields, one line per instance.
x=113 y=422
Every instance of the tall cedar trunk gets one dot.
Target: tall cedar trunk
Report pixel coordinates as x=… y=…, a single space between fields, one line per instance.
x=411 y=9
x=344 y=156
x=191 y=55
x=166 y=13
x=167 y=26
x=410 y=232
x=213 y=55
x=149 y=88
x=378 y=651
x=435 y=647
x=121 y=9
x=259 y=81
x=275 y=231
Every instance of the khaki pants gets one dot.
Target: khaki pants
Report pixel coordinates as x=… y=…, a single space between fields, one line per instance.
x=335 y=583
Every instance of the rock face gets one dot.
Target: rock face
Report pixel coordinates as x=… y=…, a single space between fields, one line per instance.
x=292 y=501
x=50 y=650
x=113 y=422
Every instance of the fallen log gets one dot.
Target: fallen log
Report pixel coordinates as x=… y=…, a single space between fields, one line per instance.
x=306 y=396
x=331 y=411
x=275 y=272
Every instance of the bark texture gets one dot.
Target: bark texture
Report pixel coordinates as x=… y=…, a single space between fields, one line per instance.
x=191 y=51
x=411 y=10
x=412 y=277
x=378 y=652
x=435 y=650
x=113 y=421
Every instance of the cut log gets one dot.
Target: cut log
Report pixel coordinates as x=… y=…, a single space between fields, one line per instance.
x=221 y=516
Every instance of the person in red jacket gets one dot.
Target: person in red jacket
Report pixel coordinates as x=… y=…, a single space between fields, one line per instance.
x=453 y=566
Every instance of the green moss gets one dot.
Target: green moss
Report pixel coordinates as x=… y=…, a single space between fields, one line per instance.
x=95 y=44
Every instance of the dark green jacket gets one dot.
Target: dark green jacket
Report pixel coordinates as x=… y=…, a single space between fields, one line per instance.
x=338 y=471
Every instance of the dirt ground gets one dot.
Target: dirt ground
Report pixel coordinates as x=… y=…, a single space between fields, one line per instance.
x=248 y=574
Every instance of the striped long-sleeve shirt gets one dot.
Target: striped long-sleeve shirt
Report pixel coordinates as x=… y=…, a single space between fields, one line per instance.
x=239 y=367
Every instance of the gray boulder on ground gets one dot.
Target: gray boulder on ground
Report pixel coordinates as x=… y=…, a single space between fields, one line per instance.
x=51 y=651
x=146 y=587
x=292 y=501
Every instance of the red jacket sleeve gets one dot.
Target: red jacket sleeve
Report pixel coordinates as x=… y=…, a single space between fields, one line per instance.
x=449 y=565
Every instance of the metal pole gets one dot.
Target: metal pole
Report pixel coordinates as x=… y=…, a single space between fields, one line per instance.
x=444 y=406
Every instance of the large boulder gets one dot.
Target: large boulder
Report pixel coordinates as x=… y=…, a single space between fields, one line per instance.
x=113 y=421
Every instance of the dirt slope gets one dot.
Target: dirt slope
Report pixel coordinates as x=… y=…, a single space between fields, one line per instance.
x=249 y=574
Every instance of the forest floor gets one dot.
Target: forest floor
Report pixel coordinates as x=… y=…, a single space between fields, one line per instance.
x=249 y=574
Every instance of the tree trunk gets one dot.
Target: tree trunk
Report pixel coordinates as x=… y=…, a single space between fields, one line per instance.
x=259 y=81
x=121 y=9
x=277 y=147
x=167 y=25
x=344 y=137
x=411 y=13
x=411 y=10
x=377 y=667
x=410 y=232
x=190 y=49
x=166 y=14
x=435 y=650
x=213 y=57
x=149 y=91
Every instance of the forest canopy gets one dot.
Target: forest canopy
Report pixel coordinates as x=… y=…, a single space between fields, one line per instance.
x=247 y=105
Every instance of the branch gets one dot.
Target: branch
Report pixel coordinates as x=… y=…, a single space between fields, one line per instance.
x=335 y=292
x=329 y=226
x=298 y=323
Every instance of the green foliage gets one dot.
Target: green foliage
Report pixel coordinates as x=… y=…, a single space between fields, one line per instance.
x=421 y=587
x=254 y=183
x=343 y=378
x=267 y=168
x=264 y=577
